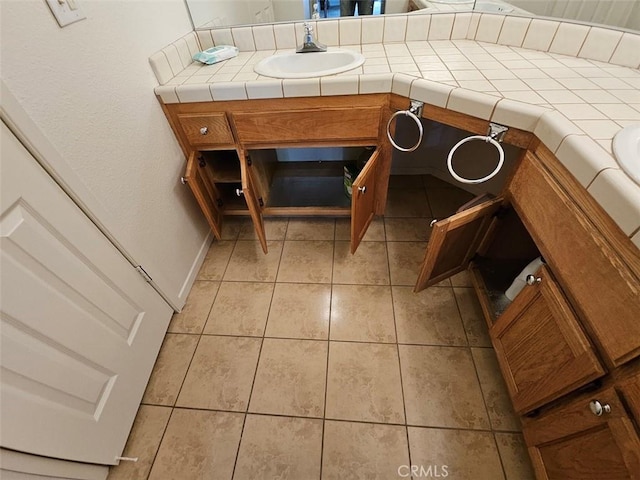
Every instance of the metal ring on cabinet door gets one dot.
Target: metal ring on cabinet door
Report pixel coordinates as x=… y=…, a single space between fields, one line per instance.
x=418 y=122
x=477 y=180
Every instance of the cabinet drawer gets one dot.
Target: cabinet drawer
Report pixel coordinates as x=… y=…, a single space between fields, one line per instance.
x=307 y=125
x=208 y=129
x=604 y=290
x=572 y=442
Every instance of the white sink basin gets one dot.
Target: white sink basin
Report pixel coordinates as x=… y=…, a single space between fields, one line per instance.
x=307 y=65
x=626 y=148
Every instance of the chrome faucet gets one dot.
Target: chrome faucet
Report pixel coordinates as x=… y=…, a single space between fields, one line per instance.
x=310 y=44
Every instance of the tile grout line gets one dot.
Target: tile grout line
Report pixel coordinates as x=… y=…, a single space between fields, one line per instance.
x=164 y=431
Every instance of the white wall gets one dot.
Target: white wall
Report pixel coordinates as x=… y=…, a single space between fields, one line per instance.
x=89 y=89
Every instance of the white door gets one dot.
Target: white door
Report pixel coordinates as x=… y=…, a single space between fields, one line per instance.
x=79 y=328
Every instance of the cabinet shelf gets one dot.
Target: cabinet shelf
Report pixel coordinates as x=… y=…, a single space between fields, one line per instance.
x=224 y=166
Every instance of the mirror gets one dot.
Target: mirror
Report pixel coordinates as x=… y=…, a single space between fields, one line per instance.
x=223 y=13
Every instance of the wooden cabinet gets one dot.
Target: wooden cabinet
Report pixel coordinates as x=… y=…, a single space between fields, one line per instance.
x=234 y=165
x=574 y=326
x=573 y=442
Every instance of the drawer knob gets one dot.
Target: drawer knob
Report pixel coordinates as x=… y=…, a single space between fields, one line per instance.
x=183 y=180
x=362 y=189
x=533 y=280
x=204 y=130
x=598 y=408
x=239 y=192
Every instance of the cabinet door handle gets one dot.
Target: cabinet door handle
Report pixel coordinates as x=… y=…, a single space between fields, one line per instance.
x=433 y=222
x=598 y=408
x=362 y=189
x=533 y=280
x=204 y=130
x=239 y=192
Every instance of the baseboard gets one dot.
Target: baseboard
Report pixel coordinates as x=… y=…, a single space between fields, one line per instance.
x=193 y=271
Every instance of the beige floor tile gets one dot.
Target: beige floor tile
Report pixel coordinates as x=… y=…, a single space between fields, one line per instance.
x=274 y=229
x=363 y=451
x=170 y=369
x=462 y=279
x=196 y=309
x=472 y=317
x=405 y=259
x=300 y=310
x=311 y=229
x=445 y=201
x=279 y=448
x=494 y=390
x=221 y=374
x=405 y=181
x=231 y=227
x=143 y=443
x=198 y=445
x=362 y=313
x=456 y=454
x=515 y=459
x=248 y=262
x=368 y=266
x=291 y=378
x=407 y=203
x=441 y=388
x=375 y=232
x=364 y=383
x=241 y=308
x=306 y=262
x=407 y=229
x=216 y=260
x=429 y=317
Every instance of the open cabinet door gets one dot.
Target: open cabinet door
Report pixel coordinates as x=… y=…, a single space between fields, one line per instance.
x=363 y=200
x=205 y=192
x=453 y=243
x=251 y=197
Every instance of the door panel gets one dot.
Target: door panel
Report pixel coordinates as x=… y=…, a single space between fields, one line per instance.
x=205 y=191
x=542 y=351
x=453 y=242
x=569 y=442
x=251 y=197
x=363 y=200
x=80 y=328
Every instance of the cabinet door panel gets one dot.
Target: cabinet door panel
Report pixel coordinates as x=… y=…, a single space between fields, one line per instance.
x=331 y=124
x=207 y=129
x=363 y=200
x=205 y=192
x=453 y=242
x=591 y=271
x=542 y=351
x=251 y=197
x=571 y=443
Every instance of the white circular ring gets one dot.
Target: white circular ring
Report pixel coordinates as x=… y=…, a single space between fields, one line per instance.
x=418 y=122
x=477 y=180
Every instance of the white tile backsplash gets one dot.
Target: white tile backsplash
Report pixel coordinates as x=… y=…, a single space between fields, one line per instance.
x=205 y=39
x=441 y=26
x=372 y=29
x=418 y=27
x=513 y=31
x=540 y=34
x=173 y=57
x=600 y=44
x=328 y=32
x=569 y=39
x=161 y=68
x=264 y=37
x=461 y=26
x=183 y=51
x=222 y=36
x=285 y=36
x=627 y=53
x=489 y=28
x=243 y=38
x=395 y=29
x=350 y=31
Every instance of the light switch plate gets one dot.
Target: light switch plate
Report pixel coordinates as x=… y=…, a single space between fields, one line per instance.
x=66 y=11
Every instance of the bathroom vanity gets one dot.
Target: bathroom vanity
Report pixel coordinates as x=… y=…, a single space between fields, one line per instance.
x=567 y=345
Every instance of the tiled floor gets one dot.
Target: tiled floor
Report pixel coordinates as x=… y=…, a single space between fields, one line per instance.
x=311 y=363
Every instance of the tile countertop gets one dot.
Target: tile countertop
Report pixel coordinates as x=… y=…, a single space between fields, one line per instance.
x=574 y=105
